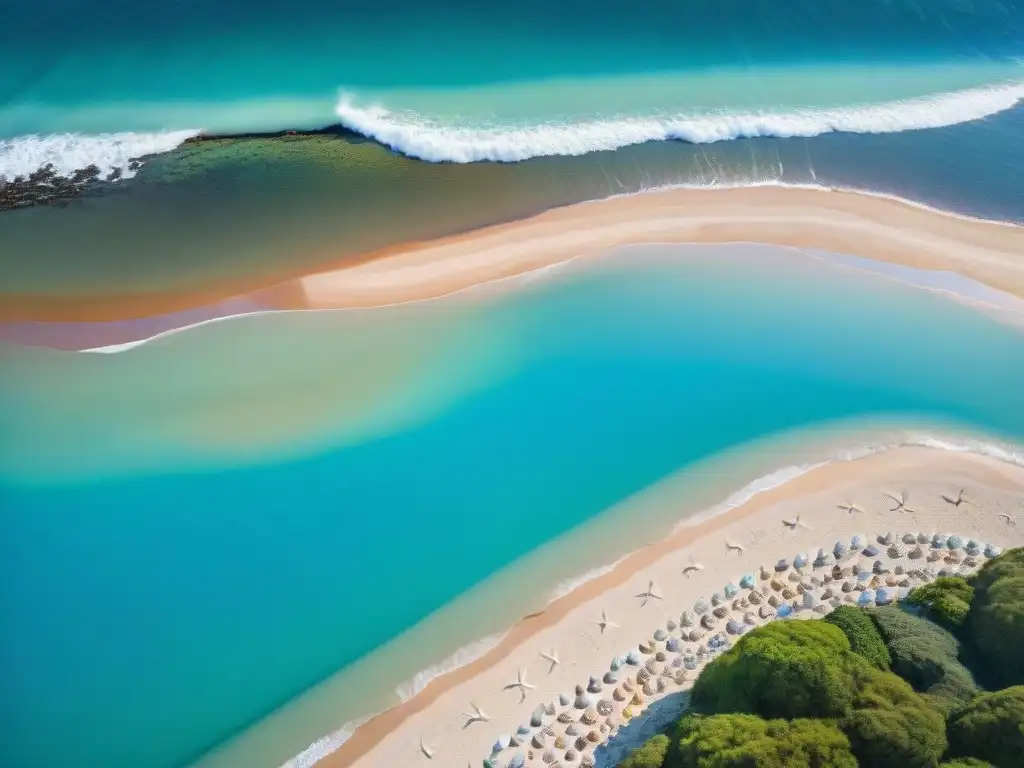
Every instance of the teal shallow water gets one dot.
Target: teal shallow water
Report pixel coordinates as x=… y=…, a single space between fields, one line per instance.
x=213 y=543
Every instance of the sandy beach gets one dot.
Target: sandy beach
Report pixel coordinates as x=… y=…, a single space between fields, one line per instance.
x=436 y=720
x=858 y=224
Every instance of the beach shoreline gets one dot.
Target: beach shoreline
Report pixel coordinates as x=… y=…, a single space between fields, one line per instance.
x=863 y=224
x=394 y=736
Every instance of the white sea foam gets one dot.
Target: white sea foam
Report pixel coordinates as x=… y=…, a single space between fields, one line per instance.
x=465 y=655
x=322 y=747
x=70 y=152
x=436 y=141
x=574 y=583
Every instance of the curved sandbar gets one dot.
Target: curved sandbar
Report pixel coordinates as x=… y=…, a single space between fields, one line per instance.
x=854 y=223
x=569 y=625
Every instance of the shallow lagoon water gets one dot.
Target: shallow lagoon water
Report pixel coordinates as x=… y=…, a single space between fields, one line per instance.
x=217 y=543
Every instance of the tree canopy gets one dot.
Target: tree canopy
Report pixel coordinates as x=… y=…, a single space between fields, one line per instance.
x=747 y=741
x=784 y=669
x=947 y=600
x=651 y=754
x=925 y=655
x=864 y=637
x=991 y=727
x=995 y=624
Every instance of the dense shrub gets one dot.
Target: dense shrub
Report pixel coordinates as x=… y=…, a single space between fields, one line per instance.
x=890 y=726
x=995 y=624
x=991 y=727
x=947 y=600
x=649 y=755
x=925 y=655
x=966 y=762
x=864 y=637
x=784 y=669
x=747 y=741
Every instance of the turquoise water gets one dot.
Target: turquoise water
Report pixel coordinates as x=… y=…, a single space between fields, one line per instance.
x=182 y=554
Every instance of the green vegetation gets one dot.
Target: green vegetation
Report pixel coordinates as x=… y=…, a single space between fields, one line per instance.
x=784 y=669
x=991 y=727
x=947 y=600
x=820 y=693
x=890 y=726
x=650 y=755
x=747 y=741
x=925 y=655
x=864 y=637
x=995 y=624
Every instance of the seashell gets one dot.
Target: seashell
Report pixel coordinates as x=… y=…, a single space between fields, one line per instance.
x=991 y=550
x=891 y=581
x=589 y=716
x=777 y=585
x=646 y=648
x=581 y=743
x=593 y=686
x=765 y=574
x=973 y=548
x=661 y=685
x=686 y=620
x=789 y=593
x=660 y=635
x=794 y=577
x=610 y=678
x=749 y=618
x=677 y=661
x=933 y=556
x=651 y=666
x=559 y=742
x=734 y=627
x=747 y=581
x=895 y=552
x=782 y=565
x=643 y=676
x=696 y=635
x=898 y=570
x=923 y=538
x=523 y=730
x=916 y=553
x=515 y=740
x=517 y=761
x=870 y=551
x=716 y=600
x=856 y=569
x=836 y=602
x=549 y=731
x=618 y=695
x=773 y=601
x=605 y=707
x=673 y=645
x=847 y=587
x=755 y=596
x=970 y=562
x=909 y=538
x=701 y=607
x=660 y=656
x=565 y=718
x=827 y=593
x=572 y=730
x=800 y=560
x=671 y=625
x=840 y=550
x=938 y=541
x=720 y=612
x=587 y=761
x=548 y=757
x=856 y=543
x=823 y=559
x=537 y=718
x=886 y=540
x=627 y=713
x=690 y=662
x=637 y=699
x=633 y=658
x=879 y=567
x=593 y=737
x=730 y=591
x=953 y=557
x=766 y=612
x=680 y=677
x=707 y=621
x=570 y=756
x=549 y=709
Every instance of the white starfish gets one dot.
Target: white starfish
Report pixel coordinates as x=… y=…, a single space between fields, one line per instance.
x=794 y=524
x=551 y=658
x=958 y=500
x=650 y=594
x=731 y=545
x=693 y=566
x=426 y=749
x=851 y=507
x=1010 y=520
x=605 y=622
x=521 y=684
x=901 y=502
x=478 y=716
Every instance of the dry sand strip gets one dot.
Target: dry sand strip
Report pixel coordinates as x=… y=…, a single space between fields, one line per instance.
x=460 y=716
x=874 y=227
x=854 y=223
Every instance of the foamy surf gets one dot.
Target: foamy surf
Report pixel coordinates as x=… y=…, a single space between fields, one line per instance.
x=435 y=141
x=71 y=152
x=463 y=656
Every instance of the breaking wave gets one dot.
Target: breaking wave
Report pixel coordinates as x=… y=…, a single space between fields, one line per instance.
x=71 y=152
x=435 y=141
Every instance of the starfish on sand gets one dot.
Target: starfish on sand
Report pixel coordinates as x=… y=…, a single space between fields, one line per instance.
x=521 y=684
